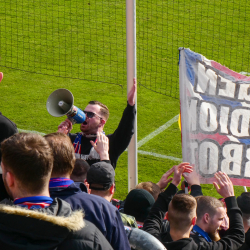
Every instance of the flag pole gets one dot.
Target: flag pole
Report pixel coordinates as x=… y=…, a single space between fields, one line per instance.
x=131 y=74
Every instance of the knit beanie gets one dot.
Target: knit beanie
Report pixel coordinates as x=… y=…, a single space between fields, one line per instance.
x=138 y=204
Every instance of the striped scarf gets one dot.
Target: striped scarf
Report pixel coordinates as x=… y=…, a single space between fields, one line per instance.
x=34 y=202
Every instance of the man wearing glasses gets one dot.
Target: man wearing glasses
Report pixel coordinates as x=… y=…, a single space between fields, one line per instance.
x=96 y=116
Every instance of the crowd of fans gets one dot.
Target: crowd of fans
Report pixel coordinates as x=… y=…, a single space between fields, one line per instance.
x=57 y=192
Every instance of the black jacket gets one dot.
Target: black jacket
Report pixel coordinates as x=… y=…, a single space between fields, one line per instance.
x=7 y=129
x=195 y=191
x=233 y=240
x=54 y=227
x=118 y=141
x=246 y=245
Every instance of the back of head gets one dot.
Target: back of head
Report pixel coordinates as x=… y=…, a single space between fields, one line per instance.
x=80 y=170
x=63 y=153
x=181 y=211
x=207 y=204
x=244 y=204
x=101 y=176
x=151 y=187
x=138 y=204
x=29 y=157
x=103 y=109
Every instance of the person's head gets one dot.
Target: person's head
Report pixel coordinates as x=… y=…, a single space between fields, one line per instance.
x=27 y=162
x=101 y=180
x=151 y=187
x=210 y=215
x=97 y=115
x=182 y=213
x=138 y=204
x=63 y=153
x=244 y=204
x=80 y=170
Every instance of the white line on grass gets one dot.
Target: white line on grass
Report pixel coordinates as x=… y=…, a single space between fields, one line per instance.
x=157 y=131
x=159 y=155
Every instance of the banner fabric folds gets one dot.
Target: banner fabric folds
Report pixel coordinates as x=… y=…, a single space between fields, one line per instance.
x=215 y=118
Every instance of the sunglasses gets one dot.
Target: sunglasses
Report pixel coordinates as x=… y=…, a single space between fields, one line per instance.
x=91 y=114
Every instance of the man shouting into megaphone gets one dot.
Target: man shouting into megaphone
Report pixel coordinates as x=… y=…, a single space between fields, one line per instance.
x=96 y=117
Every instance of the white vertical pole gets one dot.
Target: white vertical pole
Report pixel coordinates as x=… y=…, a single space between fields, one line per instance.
x=131 y=74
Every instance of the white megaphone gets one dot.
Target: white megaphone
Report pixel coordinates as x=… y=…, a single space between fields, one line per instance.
x=60 y=103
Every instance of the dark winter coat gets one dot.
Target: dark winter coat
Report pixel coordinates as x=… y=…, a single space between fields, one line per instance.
x=54 y=227
x=97 y=210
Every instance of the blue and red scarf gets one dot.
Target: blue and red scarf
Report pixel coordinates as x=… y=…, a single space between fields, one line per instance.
x=60 y=182
x=197 y=229
x=77 y=143
x=34 y=202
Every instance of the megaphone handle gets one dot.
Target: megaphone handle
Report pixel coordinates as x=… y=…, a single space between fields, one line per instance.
x=73 y=121
x=186 y=187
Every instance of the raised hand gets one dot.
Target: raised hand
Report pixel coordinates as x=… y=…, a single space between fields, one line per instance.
x=192 y=178
x=179 y=170
x=101 y=146
x=65 y=127
x=223 y=186
x=163 y=182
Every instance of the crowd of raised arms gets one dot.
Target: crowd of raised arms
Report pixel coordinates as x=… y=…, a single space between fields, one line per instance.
x=57 y=191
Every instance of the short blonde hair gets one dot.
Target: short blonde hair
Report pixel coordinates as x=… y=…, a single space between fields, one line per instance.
x=63 y=153
x=181 y=211
x=207 y=204
x=151 y=187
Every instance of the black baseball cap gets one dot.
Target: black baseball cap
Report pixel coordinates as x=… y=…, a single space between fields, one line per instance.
x=101 y=173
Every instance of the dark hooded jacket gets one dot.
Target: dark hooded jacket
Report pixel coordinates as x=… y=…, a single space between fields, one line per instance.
x=54 y=227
